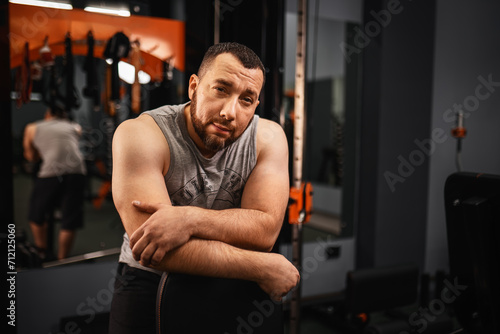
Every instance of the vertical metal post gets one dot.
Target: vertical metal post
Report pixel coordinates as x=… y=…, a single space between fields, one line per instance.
x=299 y=100
x=298 y=152
x=216 y=21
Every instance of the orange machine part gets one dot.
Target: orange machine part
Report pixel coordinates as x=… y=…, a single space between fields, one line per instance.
x=459 y=132
x=300 y=207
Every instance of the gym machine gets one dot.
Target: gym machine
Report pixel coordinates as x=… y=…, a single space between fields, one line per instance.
x=300 y=192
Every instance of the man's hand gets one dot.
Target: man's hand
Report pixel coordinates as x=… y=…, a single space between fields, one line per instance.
x=167 y=228
x=278 y=277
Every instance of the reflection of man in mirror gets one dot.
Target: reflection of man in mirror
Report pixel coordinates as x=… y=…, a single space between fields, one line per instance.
x=202 y=190
x=60 y=181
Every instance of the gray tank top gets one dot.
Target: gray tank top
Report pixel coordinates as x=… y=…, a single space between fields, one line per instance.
x=193 y=180
x=57 y=142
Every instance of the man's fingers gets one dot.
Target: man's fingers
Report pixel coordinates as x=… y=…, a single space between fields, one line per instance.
x=144 y=254
x=138 y=247
x=157 y=257
x=145 y=207
x=149 y=255
x=147 y=252
x=277 y=297
x=136 y=236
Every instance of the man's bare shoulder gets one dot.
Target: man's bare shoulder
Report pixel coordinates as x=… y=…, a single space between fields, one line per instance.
x=30 y=127
x=139 y=124
x=270 y=135
x=138 y=130
x=141 y=136
x=29 y=132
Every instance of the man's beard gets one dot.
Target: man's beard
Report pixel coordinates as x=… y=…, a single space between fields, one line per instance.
x=213 y=143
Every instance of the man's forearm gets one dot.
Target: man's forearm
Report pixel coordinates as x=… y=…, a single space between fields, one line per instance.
x=243 y=228
x=272 y=272
x=214 y=259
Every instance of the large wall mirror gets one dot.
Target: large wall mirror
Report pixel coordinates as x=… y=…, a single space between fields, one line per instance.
x=332 y=102
x=332 y=87
x=34 y=31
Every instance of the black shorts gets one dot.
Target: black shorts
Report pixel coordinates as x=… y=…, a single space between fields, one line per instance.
x=66 y=192
x=133 y=309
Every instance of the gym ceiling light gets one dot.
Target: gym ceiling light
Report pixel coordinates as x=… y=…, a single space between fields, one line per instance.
x=49 y=4
x=108 y=10
x=93 y=7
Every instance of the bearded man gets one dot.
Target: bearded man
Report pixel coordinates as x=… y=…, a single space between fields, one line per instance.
x=202 y=190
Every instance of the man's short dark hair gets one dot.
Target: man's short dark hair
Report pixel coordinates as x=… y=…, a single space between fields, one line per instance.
x=245 y=55
x=58 y=109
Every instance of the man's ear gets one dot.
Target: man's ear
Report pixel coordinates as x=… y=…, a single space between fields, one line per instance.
x=193 y=84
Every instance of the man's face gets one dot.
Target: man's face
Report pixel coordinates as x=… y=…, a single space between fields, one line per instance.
x=223 y=102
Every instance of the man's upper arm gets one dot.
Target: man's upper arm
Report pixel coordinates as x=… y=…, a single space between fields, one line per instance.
x=140 y=157
x=267 y=188
x=28 y=148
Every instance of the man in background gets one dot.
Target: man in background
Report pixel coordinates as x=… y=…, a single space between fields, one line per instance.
x=60 y=181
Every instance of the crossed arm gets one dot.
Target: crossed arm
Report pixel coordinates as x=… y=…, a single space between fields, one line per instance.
x=220 y=243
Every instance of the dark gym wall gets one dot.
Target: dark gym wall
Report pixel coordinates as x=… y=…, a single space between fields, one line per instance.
x=199 y=35
x=397 y=97
x=467 y=49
